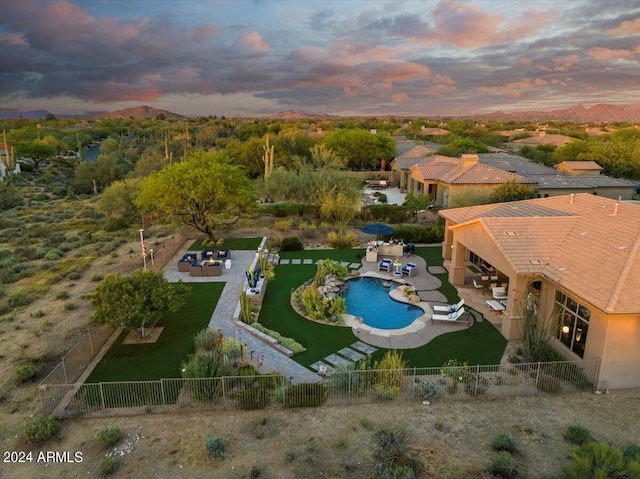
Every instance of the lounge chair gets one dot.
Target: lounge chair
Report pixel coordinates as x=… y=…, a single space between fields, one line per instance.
x=409 y=269
x=477 y=286
x=385 y=265
x=448 y=317
x=450 y=308
x=500 y=293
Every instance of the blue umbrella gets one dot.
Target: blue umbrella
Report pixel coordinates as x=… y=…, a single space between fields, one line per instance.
x=377 y=229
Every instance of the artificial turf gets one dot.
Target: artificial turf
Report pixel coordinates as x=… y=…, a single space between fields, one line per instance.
x=146 y=362
x=479 y=344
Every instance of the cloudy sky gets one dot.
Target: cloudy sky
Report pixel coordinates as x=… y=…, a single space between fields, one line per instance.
x=347 y=57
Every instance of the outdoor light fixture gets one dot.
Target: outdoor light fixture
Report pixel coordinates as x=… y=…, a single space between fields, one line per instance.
x=578 y=334
x=565 y=329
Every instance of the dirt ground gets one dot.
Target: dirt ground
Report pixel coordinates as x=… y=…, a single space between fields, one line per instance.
x=451 y=439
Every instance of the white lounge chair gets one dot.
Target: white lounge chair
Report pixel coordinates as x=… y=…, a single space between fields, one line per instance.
x=450 y=308
x=500 y=293
x=448 y=317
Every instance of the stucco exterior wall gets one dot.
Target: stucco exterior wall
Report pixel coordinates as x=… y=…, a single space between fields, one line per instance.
x=613 y=193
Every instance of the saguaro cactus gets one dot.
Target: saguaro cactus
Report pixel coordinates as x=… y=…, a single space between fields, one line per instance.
x=9 y=158
x=267 y=158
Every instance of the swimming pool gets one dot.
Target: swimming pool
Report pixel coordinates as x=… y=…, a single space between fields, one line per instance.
x=369 y=299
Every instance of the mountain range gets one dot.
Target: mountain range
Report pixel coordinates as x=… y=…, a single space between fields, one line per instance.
x=599 y=112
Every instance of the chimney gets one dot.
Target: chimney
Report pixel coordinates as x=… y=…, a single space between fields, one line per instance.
x=469 y=160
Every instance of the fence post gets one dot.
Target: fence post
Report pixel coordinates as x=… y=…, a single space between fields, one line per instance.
x=164 y=403
x=224 y=392
x=350 y=380
x=475 y=386
x=104 y=407
x=537 y=374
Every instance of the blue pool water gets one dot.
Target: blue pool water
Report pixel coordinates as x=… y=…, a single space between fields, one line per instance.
x=368 y=298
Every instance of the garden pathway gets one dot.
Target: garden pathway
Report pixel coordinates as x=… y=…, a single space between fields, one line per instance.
x=222 y=318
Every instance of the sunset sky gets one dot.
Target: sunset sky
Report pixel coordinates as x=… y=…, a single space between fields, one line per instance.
x=348 y=57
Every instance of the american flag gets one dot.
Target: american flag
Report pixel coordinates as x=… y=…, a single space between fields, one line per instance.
x=144 y=248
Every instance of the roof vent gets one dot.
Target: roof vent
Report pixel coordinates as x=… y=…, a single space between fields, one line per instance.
x=583 y=233
x=621 y=247
x=571 y=198
x=510 y=233
x=562 y=269
x=615 y=209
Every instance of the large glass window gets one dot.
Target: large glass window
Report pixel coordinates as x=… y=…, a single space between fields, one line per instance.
x=573 y=319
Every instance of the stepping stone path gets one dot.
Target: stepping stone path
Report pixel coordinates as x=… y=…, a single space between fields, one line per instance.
x=365 y=348
x=307 y=261
x=344 y=263
x=337 y=360
x=328 y=369
x=354 y=265
x=296 y=261
x=320 y=261
x=436 y=270
x=351 y=354
x=284 y=261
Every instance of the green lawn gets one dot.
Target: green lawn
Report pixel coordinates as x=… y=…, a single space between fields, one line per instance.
x=248 y=244
x=480 y=344
x=146 y=362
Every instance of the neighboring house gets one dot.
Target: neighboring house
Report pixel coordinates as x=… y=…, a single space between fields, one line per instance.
x=572 y=177
x=576 y=257
x=543 y=138
x=579 y=168
x=452 y=182
x=402 y=163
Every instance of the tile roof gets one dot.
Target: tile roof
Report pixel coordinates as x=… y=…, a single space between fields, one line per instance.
x=417 y=152
x=580 y=182
x=451 y=170
x=589 y=245
x=581 y=165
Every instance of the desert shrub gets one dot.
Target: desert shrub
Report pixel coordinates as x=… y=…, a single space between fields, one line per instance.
x=216 y=446
x=4 y=307
x=115 y=224
x=97 y=277
x=382 y=198
x=631 y=451
x=109 y=436
x=426 y=389
x=291 y=243
x=577 y=434
x=108 y=465
x=345 y=240
x=289 y=343
x=503 y=465
x=390 y=444
x=25 y=373
x=306 y=395
x=40 y=428
x=62 y=295
x=504 y=442
x=19 y=298
x=600 y=460
x=282 y=225
x=70 y=306
x=398 y=472
x=53 y=254
x=389 y=213
x=2 y=292
x=253 y=398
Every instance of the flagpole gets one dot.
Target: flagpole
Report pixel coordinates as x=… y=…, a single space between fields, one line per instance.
x=142 y=246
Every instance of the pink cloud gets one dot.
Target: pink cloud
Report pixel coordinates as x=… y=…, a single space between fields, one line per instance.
x=342 y=52
x=400 y=97
x=561 y=64
x=628 y=27
x=13 y=39
x=254 y=41
x=205 y=31
x=524 y=61
x=604 y=54
x=468 y=26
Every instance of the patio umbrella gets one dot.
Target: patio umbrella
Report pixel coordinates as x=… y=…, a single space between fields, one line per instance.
x=377 y=229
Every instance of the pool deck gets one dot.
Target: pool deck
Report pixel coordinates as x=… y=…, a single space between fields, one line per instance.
x=422 y=330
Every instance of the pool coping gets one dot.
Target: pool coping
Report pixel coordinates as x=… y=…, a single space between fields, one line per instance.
x=358 y=326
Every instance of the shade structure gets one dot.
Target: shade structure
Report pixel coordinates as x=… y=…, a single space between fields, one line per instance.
x=377 y=229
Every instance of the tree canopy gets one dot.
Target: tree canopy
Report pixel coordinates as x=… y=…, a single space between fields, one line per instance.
x=205 y=191
x=361 y=149
x=512 y=191
x=137 y=301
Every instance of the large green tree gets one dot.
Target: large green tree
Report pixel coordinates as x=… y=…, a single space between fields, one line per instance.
x=36 y=151
x=205 y=191
x=137 y=301
x=361 y=149
x=512 y=191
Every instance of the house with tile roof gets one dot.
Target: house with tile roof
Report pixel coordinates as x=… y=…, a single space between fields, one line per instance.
x=402 y=163
x=576 y=257
x=453 y=182
x=579 y=168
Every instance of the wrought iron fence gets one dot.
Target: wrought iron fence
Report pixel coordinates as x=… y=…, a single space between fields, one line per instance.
x=343 y=386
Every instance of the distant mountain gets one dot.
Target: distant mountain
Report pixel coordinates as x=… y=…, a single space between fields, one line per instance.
x=11 y=113
x=599 y=112
x=140 y=113
x=290 y=114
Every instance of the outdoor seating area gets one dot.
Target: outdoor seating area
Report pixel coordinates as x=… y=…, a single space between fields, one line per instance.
x=437 y=308
x=409 y=269
x=211 y=263
x=453 y=316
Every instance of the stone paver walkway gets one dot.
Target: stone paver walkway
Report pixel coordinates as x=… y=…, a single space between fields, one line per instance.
x=222 y=318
